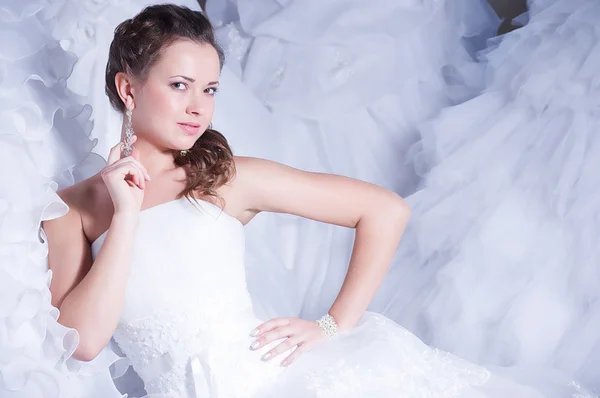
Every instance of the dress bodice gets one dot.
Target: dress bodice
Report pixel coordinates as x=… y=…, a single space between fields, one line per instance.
x=186 y=298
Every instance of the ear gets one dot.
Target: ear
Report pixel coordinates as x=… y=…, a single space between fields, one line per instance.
x=124 y=85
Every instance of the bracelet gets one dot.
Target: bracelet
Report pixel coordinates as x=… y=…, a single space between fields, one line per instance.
x=328 y=324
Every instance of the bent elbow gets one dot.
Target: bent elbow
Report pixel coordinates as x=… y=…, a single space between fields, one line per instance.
x=86 y=352
x=400 y=209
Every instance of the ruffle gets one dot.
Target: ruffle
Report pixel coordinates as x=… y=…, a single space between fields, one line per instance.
x=44 y=145
x=498 y=263
x=414 y=47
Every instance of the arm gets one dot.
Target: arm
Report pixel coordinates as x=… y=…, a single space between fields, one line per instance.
x=89 y=296
x=379 y=216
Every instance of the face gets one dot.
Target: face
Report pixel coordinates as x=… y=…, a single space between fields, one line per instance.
x=175 y=104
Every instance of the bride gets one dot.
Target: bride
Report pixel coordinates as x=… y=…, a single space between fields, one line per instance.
x=151 y=249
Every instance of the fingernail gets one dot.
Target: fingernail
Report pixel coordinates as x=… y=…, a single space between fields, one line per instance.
x=284 y=362
x=266 y=356
x=254 y=332
x=147 y=176
x=254 y=345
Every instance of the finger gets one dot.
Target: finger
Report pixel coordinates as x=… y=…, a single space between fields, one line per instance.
x=134 y=151
x=135 y=157
x=138 y=177
x=135 y=154
x=114 y=154
x=272 y=335
x=131 y=184
x=302 y=348
x=270 y=325
x=138 y=180
x=116 y=151
x=284 y=346
x=138 y=164
x=129 y=171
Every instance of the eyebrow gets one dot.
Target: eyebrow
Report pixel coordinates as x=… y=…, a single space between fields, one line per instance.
x=192 y=80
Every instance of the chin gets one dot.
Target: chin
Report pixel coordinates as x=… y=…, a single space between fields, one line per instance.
x=183 y=143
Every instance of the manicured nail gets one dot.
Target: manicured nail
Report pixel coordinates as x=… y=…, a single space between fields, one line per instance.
x=284 y=362
x=254 y=345
x=266 y=356
x=148 y=177
x=254 y=332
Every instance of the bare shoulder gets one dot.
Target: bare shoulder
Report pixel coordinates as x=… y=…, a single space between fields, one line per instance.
x=244 y=165
x=78 y=195
x=257 y=179
x=254 y=174
x=233 y=192
x=89 y=200
x=73 y=197
x=69 y=253
x=249 y=168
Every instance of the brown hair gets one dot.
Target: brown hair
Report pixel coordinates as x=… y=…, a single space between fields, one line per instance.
x=137 y=45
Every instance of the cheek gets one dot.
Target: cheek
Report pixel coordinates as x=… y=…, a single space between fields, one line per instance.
x=160 y=102
x=155 y=108
x=210 y=108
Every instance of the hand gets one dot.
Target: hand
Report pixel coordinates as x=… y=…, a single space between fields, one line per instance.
x=125 y=178
x=296 y=332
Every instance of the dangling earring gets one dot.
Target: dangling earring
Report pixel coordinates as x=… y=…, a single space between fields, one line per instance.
x=210 y=126
x=127 y=147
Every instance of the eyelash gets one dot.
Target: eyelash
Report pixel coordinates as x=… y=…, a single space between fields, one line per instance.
x=175 y=84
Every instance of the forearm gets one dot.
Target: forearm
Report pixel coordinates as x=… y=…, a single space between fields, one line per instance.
x=94 y=306
x=377 y=237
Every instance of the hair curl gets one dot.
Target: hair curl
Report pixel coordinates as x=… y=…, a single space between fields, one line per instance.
x=137 y=45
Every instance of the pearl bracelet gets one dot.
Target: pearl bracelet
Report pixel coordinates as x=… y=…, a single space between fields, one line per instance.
x=328 y=324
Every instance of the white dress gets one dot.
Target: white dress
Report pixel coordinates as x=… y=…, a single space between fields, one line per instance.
x=187 y=316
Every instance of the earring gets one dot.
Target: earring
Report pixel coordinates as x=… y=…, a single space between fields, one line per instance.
x=127 y=147
x=183 y=153
x=210 y=126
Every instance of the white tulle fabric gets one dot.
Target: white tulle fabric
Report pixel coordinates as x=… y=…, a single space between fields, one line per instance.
x=187 y=298
x=362 y=73
x=44 y=144
x=499 y=264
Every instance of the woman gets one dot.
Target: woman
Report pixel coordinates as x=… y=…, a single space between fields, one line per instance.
x=151 y=250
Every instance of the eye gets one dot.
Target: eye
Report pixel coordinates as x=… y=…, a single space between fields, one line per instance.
x=211 y=90
x=179 y=85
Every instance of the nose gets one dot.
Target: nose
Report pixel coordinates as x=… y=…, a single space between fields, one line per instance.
x=195 y=108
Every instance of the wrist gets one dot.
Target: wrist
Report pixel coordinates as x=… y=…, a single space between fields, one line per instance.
x=125 y=216
x=125 y=220
x=344 y=320
x=328 y=325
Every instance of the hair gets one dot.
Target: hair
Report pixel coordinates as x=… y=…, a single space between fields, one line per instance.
x=137 y=45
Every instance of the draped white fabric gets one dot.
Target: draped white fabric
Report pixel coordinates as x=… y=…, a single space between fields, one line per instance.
x=500 y=263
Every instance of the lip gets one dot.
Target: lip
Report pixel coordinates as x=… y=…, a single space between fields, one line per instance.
x=190 y=128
